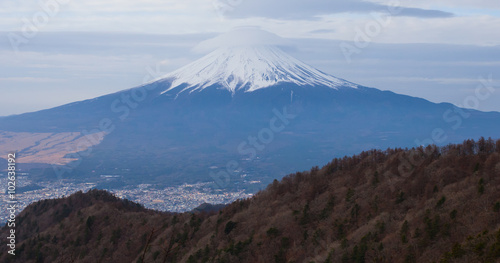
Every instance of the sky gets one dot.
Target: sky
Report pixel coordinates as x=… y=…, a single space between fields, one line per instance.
x=54 y=52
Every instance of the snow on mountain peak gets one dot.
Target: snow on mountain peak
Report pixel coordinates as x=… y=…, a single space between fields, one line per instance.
x=249 y=68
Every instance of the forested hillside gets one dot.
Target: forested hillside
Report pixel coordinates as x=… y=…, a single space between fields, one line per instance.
x=419 y=205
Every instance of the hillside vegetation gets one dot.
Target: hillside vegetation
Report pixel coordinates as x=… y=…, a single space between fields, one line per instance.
x=419 y=205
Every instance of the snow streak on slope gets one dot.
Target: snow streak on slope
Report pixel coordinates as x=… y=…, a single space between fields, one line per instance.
x=250 y=68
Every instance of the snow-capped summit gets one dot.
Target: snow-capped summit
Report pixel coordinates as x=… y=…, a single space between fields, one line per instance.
x=249 y=68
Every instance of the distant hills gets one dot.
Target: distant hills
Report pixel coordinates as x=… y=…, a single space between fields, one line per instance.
x=433 y=204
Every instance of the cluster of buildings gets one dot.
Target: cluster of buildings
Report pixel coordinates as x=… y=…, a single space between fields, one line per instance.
x=27 y=192
x=180 y=198
x=175 y=199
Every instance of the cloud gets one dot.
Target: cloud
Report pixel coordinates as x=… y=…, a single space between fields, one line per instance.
x=241 y=36
x=322 y=31
x=29 y=79
x=310 y=10
x=450 y=4
x=423 y=13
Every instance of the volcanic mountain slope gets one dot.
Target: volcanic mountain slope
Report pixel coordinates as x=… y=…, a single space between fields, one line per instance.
x=253 y=106
x=418 y=205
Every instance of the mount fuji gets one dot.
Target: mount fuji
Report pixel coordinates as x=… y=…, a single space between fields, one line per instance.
x=249 y=69
x=240 y=116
